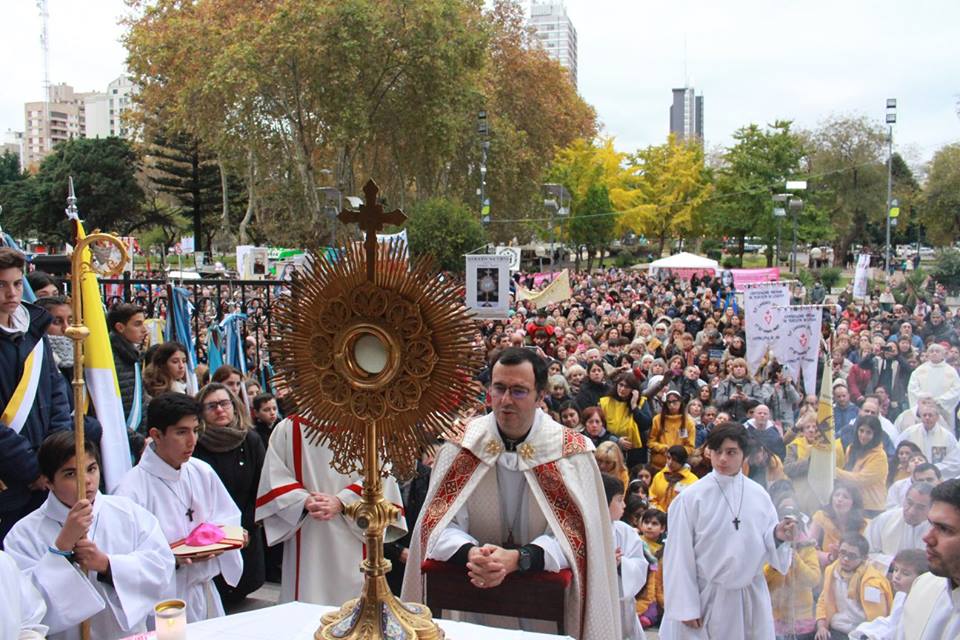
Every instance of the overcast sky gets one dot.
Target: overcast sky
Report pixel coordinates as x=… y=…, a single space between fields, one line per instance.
x=753 y=60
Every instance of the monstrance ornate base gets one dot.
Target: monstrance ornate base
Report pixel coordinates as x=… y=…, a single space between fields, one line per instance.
x=377 y=613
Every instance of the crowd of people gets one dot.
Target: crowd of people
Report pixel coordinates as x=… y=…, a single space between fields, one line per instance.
x=665 y=432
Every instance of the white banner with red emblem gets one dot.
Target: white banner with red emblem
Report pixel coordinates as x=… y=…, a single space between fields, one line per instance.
x=762 y=304
x=798 y=345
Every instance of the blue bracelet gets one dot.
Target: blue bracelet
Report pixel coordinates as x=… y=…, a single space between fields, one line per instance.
x=65 y=554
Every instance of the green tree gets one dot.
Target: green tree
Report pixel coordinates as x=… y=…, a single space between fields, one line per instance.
x=940 y=207
x=10 y=168
x=109 y=198
x=179 y=167
x=846 y=160
x=446 y=229
x=592 y=224
x=752 y=170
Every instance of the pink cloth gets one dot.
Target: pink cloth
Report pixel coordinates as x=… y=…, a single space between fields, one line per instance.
x=205 y=534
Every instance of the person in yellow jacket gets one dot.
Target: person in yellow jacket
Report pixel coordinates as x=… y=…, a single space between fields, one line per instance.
x=797 y=463
x=671 y=426
x=624 y=408
x=671 y=479
x=866 y=466
x=843 y=514
x=792 y=594
x=854 y=591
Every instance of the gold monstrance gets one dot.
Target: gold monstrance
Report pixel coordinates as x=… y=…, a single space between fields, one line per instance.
x=377 y=355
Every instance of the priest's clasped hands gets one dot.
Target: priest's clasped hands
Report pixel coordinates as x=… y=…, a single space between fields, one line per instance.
x=489 y=565
x=322 y=506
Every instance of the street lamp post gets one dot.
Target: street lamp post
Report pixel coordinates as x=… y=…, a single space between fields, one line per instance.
x=555 y=205
x=795 y=205
x=780 y=212
x=484 y=132
x=891 y=119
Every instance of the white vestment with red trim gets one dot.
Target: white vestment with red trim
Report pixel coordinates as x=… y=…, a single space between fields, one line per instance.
x=565 y=501
x=321 y=559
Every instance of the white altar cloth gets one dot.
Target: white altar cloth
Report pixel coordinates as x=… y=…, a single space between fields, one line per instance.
x=298 y=621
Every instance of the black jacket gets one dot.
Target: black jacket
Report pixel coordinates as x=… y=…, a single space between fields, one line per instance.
x=125 y=358
x=50 y=411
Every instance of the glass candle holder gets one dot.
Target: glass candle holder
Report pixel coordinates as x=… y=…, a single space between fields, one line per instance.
x=171 y=619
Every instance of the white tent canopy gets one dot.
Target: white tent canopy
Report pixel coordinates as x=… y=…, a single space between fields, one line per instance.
x=684 y=260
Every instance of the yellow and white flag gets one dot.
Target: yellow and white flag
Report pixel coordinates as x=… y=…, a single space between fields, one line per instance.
x=101 y=378
x=556 y=291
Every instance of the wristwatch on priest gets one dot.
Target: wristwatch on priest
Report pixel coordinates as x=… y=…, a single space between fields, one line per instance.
x=525 y=561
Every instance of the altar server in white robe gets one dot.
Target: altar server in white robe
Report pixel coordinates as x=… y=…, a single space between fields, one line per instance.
x=101 y=557
x=631 y=561
x=932 y=608
x=901 y=528
x=722 y=530
x=21 y=607
x=939 y=379
x=300 y=502
x=183 y=493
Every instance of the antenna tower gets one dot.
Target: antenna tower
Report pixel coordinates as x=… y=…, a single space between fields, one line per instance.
x=45 y=48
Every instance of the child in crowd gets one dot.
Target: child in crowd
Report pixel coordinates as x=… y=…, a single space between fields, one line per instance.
x=907 y=565
x=854 y=591
x=632 y=564
x=671 y=479
x=634 y=509
x=610 y=460
x=653 y=524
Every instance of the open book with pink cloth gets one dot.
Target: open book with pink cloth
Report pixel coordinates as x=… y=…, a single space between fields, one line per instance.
x=208 y=538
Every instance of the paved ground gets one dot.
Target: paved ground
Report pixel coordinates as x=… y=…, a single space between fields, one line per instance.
x=269 y=593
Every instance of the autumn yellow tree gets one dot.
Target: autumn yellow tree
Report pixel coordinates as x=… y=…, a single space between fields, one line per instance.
x=671 y=184
x=594 y=172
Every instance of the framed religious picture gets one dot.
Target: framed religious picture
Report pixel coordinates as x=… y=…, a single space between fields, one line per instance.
x=488 y=285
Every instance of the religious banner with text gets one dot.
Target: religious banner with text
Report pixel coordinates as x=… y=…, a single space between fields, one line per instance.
x=861 y=275
x=488 y=286
x=556 y=291
x=762 y=305
x=798 y=345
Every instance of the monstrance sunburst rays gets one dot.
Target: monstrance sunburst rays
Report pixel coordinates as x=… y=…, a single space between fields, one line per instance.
x=408 y=307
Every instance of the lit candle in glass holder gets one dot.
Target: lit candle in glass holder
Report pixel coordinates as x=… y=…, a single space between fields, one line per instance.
x=171 y=617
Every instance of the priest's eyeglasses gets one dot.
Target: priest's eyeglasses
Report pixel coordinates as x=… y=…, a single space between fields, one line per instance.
x=517 y=393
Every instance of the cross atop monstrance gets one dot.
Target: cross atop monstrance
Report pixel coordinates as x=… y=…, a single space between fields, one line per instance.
x=371 y=218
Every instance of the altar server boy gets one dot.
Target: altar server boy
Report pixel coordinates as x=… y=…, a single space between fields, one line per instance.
x=95 y=556
x=184 y=493
x=632 y=565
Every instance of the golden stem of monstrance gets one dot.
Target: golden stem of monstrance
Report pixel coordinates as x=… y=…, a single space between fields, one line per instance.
x=377 y=354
